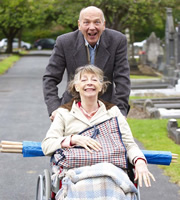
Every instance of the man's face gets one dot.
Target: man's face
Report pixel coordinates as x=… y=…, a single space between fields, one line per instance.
x=91 y=24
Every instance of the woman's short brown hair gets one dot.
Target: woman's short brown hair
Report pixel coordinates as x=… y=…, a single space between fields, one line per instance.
x=87 y=69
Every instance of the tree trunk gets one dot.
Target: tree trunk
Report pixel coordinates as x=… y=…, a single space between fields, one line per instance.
x=132 y=43
x=9 y=45
x=10 y=35
x=19 y=38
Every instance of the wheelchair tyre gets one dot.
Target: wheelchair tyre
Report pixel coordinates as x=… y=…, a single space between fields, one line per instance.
x=43 y=190
x=39 y=189
x=138 y=194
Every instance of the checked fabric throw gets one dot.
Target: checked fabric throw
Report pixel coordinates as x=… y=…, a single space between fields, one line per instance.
x=113 y=151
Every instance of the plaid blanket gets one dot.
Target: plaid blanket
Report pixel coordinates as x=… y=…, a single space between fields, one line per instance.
x=102 y=181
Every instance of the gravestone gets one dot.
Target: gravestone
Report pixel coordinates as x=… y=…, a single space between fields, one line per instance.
x=171 y=72
x=177 y=86
x=173 y=130
x=178 y=46
x=159 y=107
x=177 y=52
x=154 y=51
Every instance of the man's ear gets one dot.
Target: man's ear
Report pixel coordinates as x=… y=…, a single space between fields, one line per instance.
x=104 y=24
x=79 y=25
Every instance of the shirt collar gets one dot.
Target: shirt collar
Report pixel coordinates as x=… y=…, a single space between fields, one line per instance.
x=87 y=44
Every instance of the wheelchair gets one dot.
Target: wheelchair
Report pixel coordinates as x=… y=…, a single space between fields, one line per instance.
x=45 y=190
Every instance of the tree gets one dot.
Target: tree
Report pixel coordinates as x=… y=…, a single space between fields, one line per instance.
x=140 y=16
x=68 y=12
x=20 y=14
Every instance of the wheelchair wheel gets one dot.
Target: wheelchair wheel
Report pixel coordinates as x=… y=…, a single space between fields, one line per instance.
x=43 y=190
x=138 y=194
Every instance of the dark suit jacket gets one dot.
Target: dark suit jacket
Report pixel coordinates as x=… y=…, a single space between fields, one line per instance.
x=70 y=52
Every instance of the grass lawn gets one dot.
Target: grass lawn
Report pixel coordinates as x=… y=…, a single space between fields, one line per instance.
x=152 y=133
x=7 y=63
x=144 y=97
x=144 y=77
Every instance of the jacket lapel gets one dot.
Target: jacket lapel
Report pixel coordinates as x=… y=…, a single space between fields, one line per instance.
x=80 y=53
x=102 y=54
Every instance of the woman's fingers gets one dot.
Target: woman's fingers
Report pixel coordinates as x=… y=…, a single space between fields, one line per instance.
x=94 y=145
x=151 y=175
x=139 y=178
x=88 y=149
x=87 y=142
x=146 y=179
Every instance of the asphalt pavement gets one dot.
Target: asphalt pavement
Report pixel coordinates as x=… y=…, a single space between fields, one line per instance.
x=23 y=117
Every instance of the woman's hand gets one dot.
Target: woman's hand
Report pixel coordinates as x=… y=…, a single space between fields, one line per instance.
x=86 y=142
x=142 y=172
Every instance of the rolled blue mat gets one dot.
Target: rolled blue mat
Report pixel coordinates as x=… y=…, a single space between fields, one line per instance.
x=158 y=157
x=33 y=149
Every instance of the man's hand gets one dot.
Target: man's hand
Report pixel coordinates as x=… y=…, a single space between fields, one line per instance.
x=53 y=114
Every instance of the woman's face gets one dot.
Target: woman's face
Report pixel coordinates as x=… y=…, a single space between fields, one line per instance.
x=89 y=85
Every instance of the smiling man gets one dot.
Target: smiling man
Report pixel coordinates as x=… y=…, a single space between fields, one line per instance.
x=94 y=44
x=91 y=23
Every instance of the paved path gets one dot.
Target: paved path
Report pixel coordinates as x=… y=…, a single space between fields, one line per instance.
x=23 y=116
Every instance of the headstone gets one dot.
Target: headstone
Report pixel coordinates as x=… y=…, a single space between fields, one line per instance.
x=171 y=73
x=153 y=51
x=163 y=108
x=169 y=34
x=173 y=130
x=178 y=52
x=177 y=86
x=150 y=110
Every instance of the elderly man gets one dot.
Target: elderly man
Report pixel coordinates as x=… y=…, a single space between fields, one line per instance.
x=95 y=44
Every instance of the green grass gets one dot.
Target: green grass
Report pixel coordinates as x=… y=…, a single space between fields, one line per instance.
x=152 y=133
x=7 y=63
x=144 y=77
x=141 y=97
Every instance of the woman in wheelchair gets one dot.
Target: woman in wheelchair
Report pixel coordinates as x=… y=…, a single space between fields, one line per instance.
x=86 y=110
